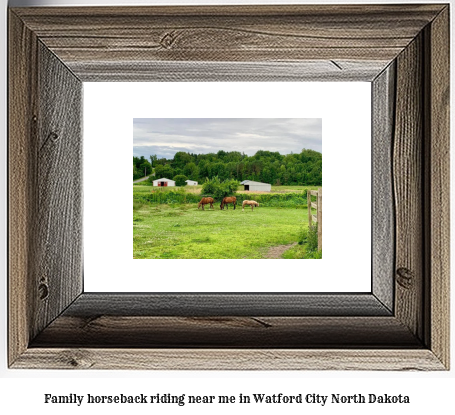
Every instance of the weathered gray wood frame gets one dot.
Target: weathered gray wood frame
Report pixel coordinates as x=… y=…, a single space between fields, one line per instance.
x=403 y=50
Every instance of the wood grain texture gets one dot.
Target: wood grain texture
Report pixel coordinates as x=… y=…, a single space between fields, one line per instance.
x=438 y=116
x=309 y=71
x=229 y=359
x=216 y=305
x=227 y=34
x=58 y=204
x=21 y=172
x=382 y=201
x=226 y=332
x=408 y=188
x=53 y=49
x=44 y=187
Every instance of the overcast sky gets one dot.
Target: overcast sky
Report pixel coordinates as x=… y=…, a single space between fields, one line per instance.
x=166 y=136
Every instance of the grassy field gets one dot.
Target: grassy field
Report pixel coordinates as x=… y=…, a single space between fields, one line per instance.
x=146 y=187
x=167 y=224
x=183 y=231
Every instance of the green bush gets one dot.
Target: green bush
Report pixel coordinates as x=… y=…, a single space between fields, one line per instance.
x=219 y=190
x=167 y=196
x=179 y=195
x=307 y=247
x=297 y=200
x=303 y=236
x=180 y=180
x=312 y=238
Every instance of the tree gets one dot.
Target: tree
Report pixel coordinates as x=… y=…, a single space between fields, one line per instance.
x=180 y=180
x=181 y=159
x=191 y=171
x=141 y=167
x=221 y=154
x=304 y=168
x=136 y=175
x=164 y=171
x=205 y=169
x=219 y=189
x=145 y=168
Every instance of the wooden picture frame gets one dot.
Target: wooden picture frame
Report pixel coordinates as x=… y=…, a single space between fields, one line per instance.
x=403 y=324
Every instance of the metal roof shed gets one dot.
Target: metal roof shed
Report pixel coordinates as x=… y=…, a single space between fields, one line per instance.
x=250 y=185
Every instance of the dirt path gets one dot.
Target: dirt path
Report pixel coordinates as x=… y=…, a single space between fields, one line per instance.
x=275 y=252
x=143 y=179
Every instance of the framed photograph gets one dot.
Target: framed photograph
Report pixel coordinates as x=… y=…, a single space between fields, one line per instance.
x=279 y=155
x=398 y=238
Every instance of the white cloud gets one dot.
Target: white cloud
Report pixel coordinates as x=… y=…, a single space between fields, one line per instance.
x=166 y=136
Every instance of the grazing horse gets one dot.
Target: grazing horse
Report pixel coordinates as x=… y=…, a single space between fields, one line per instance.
x=228 y=200
x=206 y=201
x=251 y=203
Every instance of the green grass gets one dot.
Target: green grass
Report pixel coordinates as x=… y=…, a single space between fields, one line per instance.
x=285 y=188
x=307 y=247
x=183 y=231
x=167 y=224
x=147 y=186
x=171 y=195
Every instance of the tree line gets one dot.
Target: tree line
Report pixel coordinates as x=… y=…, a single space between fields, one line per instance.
x=304 y=168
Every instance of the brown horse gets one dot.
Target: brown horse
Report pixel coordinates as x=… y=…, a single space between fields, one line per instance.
x=206 y=201
x=251 y=203
x=228 y=200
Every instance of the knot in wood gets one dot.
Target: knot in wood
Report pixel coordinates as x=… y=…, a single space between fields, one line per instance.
x=168 y=39
x=405 y=278
x=43 y=291
x=53 y=136
x=76 y=359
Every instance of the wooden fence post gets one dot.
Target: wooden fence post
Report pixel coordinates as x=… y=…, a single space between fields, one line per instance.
x=319 y=213
x=308 y=193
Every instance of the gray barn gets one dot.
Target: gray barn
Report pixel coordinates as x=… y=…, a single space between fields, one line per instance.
x=250 y=185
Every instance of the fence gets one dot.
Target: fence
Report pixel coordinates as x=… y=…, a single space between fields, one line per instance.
x=318 y=217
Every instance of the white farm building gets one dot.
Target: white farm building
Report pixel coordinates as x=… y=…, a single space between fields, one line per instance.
x=163 y=182
x=191 y=183
x=250 y=185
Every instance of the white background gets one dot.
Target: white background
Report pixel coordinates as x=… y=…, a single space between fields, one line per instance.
x=109 y=109
x=22 y=391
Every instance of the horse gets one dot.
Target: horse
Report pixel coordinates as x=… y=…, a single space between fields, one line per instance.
x=251 y=203
x=206 y=201
x=228 y=200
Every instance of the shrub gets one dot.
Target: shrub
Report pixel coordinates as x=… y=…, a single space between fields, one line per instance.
x=218 y=189
x=312 y=238
x=211 y=185
x=167 y=196
x=303 y=235
x=308 y=239
x=297 y=199
x=180 y=180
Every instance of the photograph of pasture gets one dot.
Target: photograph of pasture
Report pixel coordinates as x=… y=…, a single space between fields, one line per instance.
x=227 y=188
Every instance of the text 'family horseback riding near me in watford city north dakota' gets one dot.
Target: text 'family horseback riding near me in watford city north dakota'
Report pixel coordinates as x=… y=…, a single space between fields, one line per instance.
x=255 y=398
